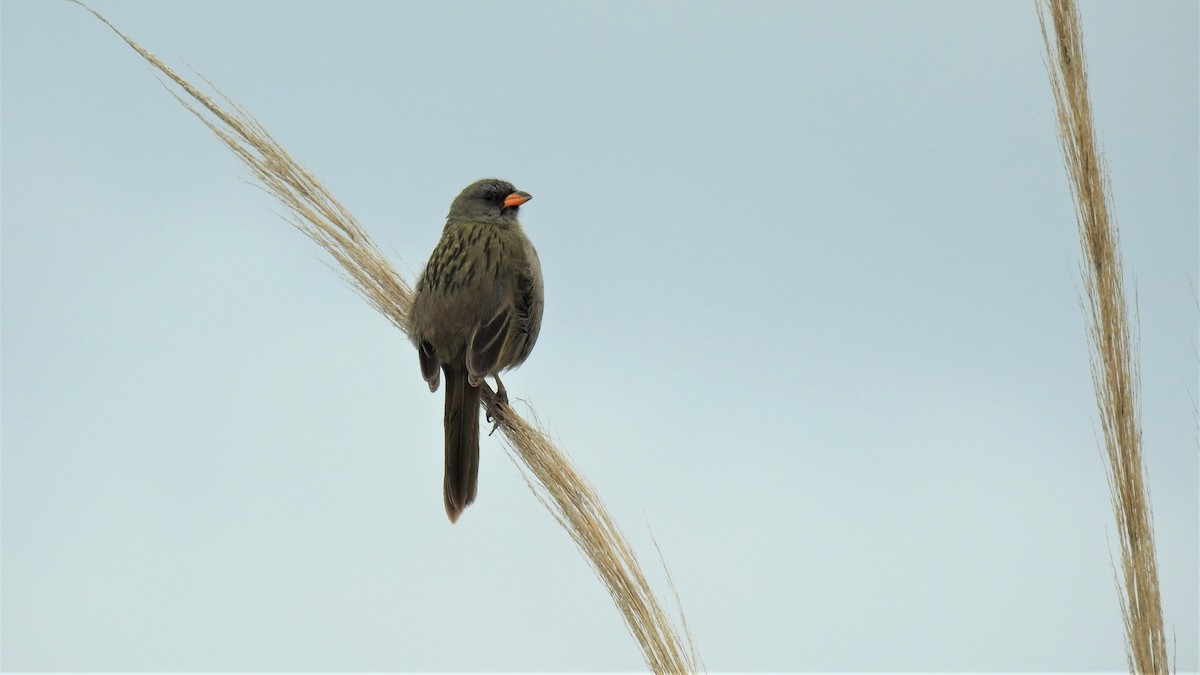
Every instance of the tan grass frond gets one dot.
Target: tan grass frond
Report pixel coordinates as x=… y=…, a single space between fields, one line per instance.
x=312 y=209
x=555 y=481
x=1113 y=352
x=577 y=507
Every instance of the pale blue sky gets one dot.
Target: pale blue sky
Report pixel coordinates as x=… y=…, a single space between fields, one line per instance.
x=812 y=316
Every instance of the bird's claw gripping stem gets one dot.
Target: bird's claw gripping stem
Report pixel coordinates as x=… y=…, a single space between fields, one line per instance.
x=495 y=409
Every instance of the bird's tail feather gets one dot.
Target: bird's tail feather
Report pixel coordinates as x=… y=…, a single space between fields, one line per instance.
x=462 y=443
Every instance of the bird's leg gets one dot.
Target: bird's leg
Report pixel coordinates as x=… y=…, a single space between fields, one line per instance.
x=501 y=392
x=494 y=412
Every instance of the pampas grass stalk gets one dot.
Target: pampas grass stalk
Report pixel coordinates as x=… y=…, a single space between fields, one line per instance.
x=550 y=475
x=1113 y=344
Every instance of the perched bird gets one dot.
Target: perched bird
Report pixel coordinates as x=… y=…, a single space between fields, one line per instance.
x=477 y=311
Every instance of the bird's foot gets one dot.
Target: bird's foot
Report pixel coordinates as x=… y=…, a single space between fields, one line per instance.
x=501 y=392
x=495 y=409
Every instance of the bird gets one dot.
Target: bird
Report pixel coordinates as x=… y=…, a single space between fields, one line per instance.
x=477 y=311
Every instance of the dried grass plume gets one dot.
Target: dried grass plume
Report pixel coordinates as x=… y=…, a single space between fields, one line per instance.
x=1113 y=344
x=550 y=475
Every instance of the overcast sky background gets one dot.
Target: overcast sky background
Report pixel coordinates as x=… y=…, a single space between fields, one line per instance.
x=812 y=317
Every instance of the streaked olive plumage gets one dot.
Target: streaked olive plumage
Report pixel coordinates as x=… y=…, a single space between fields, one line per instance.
x=477 y=312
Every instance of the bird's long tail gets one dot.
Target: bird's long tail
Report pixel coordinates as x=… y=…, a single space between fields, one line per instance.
x=462 y=442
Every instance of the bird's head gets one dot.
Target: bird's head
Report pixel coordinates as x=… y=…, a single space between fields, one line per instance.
x=488 y=200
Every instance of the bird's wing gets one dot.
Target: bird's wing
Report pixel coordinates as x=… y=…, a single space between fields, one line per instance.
x=487 y=344
x=528 y=306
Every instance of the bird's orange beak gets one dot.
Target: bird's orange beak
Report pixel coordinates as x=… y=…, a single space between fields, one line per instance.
x=516 y=199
